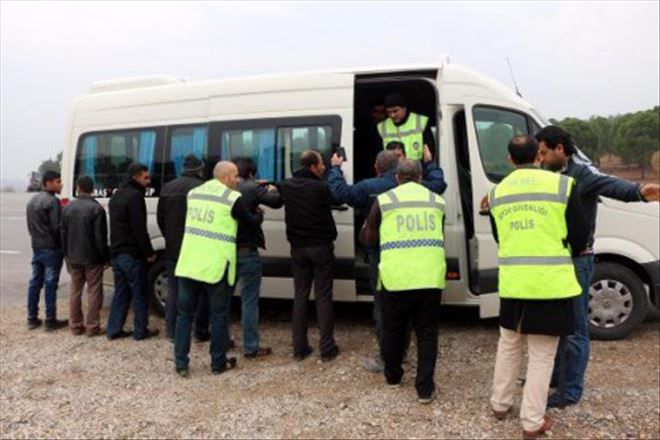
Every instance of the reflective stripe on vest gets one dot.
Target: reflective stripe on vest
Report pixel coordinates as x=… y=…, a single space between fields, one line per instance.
x=411 y=239
x=208 y=249
x=529 y=209
x=410 y=134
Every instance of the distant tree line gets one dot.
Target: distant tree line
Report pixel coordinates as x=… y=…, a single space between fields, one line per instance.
x=634 y=137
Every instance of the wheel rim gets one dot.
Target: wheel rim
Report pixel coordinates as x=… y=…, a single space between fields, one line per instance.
x=610 y=303
x=160 y=288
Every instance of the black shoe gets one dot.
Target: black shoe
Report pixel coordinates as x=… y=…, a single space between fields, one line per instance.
x=54 y=324
x=555 y=402
x=148 y=334
x=33 y=323
x=121 y=335
x=203 y=337
x=302 y=355
x=229 y=365
x=182 y=372
x=333 y=353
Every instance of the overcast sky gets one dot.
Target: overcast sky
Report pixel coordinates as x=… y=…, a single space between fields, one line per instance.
x=569 y=58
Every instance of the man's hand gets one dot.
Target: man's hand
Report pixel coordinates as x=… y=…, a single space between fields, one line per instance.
x=336 y=160
x=428 y=157
x=650 y=192
x=152 y=259
x=484 y=206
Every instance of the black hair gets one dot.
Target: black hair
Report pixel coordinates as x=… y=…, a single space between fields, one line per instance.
x=309 y=158
x=395 y=145
x=85 y=184
x=49 y=176
x=135 y=169
x=246 y=167
x=553 y=136
x=523 y=149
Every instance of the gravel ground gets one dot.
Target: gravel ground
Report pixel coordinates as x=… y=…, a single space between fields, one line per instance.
x=65 y=386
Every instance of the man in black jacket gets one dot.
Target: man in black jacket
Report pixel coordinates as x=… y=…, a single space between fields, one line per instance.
x=248 y=243
x=311 y=230
x=85 y=246
x=43 y=221
x=171 y=215
x=131 y=250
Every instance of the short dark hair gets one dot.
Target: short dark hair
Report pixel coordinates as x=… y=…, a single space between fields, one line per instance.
x=386 y=161
x=395 y=145
x=135 y=169
x=246 y=167
x=85 y=184
x=49 y=176
x=309 y=158
x=523 y=149
x=553 y=136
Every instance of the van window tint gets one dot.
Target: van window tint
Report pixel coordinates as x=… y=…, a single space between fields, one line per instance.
x=495 y=127
x=257 y=144
x=105 y=157
x=182 y=142
x=292 y=141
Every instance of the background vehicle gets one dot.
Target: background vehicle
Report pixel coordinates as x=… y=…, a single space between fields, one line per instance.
x=159 y=120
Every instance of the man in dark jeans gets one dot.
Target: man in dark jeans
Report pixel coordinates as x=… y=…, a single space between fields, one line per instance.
x=85 y=246
x=43 y=221
x=558 y=153
x=131 y=250
x=248 y=242
x=171 y=215
x=310 y=228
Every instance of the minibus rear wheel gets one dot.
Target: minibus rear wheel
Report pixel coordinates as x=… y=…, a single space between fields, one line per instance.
x=617 y=302
x=157 y=285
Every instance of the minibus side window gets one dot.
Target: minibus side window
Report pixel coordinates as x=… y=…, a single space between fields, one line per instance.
x=257 y=144
x=291 y=141
x=183 y=141
x=495 y=127
x=105 y=157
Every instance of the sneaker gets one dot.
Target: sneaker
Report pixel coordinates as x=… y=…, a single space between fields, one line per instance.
x=333 y=353
x=182 y=372
x=374 y=365
x=148 y=334
x=425 y=400
x=121 y=335
x=394 y=384
x=33 y=323
x=302 y=355
x=229 y=365
x=55 y=324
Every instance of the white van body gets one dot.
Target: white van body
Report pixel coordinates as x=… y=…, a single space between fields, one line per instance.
x=150 y=115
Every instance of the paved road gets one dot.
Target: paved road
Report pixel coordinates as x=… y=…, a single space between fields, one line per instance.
x=15 y=252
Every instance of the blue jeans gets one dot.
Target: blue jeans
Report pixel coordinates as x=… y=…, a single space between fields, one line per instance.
x=249 y=277
x=130 y=275
x=577 y=344
x=219 y=295
x=202 y=316
x=46 y=267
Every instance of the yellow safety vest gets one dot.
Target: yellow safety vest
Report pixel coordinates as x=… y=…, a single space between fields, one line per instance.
x=412 y=253
x=209 y=240
x=529 y=208
x=411 y=134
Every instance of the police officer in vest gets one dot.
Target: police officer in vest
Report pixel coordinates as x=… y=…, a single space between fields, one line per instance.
x=409 y=128
x=207 y=262
x=535 y=217
x=408 y=221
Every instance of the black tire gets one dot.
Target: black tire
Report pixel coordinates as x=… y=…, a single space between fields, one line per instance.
x=157 y=285
x=653 y=313
x=617 y=302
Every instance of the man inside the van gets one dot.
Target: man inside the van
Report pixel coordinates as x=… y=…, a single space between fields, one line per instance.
x=558 y=153
x=411 y=129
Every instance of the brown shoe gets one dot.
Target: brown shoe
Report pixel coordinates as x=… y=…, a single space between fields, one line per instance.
x=501 y=415
x=96 y=332
x=547 y=426
x=78 y=331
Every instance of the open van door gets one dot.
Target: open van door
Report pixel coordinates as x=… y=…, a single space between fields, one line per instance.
x=490 y=124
